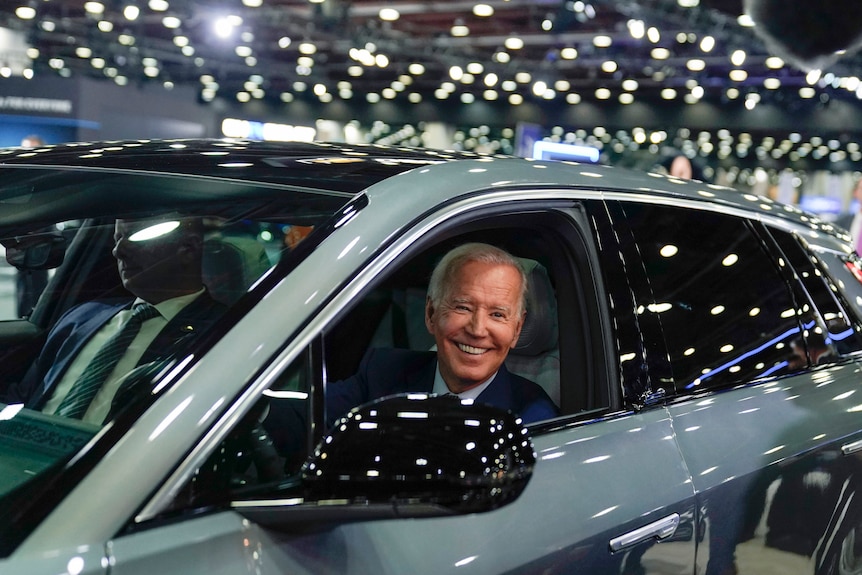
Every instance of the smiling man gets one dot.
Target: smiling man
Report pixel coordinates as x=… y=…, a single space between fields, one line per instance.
x=475 y=309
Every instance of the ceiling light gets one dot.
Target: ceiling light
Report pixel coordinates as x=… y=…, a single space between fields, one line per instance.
x=171 y=22
x=381 y=60
x=467 y=98
x=25 y=12
x=513 y=43
x=653 y=35
x=696 y=65
x=738 y=75
x=707 y=43
x=626 y=98
x=105 y=26
x=483 y=10
x=459 y=31
x=475 y=68
x=83 y=52
x=737 y=58
x=416 y=69
x=772 y=83
x=158 y=5
x=307 y=48
x=688 y=3
x=812 y=77
x=94 y=7
x=562 y=85
x=456 y=73
x=509 y=85
x=284 y=42
x=181 y=41
x=491 y=79
x=490 y=95
x=660 y=53
x=807 y=92
x=568 y=53
x=745 y=21
x=131 y=12
x=516 y=99
x=523 y=77
x=609 y=66
x=602 y=41
x=573 y=98
x=389 y=14
x=774 y=63
x=603 y=94
x=630 y=85
x=539 y=88
x=637 y=28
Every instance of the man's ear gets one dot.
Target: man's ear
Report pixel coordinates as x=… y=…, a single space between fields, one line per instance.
x=429 y=315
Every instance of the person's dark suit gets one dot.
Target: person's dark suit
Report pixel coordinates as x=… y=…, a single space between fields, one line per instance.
x=80 y=323
x=385 y=372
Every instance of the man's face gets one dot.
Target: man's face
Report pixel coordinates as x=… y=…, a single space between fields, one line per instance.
x=476 y=324
x=151 y=257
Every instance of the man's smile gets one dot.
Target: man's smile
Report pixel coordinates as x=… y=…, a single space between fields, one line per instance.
x=470 y=349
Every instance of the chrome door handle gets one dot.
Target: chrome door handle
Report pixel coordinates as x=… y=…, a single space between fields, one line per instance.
x=851 y=447
x=661 y=529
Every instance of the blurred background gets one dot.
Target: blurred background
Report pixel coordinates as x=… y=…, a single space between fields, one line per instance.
x=760 y=95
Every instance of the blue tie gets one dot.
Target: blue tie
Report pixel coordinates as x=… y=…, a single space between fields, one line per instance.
x=78 y=400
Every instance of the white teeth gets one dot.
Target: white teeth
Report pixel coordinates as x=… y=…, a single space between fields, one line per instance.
x=471 y=350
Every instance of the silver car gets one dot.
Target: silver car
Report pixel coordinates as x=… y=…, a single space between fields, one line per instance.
x=702 y=346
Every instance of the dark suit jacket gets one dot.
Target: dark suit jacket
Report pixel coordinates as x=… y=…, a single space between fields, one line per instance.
x=385 y=372
x=78 y=325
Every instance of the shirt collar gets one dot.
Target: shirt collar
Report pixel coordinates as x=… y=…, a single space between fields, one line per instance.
x=169 y=308
x=440 y=387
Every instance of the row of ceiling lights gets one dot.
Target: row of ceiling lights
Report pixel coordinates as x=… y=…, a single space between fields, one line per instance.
x=473 y=80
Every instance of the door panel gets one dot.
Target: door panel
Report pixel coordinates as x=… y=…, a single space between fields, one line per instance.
x=772 y=479
x=592 y=483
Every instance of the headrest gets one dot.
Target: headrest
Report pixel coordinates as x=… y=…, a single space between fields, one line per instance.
x=539 y=333
x=231 y=264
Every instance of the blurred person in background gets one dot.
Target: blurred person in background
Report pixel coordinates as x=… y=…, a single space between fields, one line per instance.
x=852 y=220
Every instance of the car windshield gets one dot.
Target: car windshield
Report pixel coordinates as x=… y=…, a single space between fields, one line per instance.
x=82 y=248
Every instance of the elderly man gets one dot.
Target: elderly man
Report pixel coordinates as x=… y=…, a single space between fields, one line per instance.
x=475 y=309
x=92 y=347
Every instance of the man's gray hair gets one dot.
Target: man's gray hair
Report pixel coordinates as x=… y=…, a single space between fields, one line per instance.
x=444 y=273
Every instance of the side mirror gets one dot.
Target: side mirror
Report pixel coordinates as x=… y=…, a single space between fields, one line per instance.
x=37 y=252
x=418 y=448
x=411 y=455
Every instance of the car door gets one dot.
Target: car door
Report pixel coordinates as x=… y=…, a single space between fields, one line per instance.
x=608 y=491
x=767 y=436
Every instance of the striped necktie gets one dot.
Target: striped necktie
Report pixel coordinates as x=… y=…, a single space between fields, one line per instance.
x=78 y=400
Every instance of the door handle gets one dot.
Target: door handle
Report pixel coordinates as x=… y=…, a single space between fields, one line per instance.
x=661 y=529
x=852 y=447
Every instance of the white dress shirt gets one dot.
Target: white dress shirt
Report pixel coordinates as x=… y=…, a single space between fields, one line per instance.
x=440 y=387
x=101 y=403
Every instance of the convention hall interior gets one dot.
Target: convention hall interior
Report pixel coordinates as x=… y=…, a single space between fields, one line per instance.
x=760 y=95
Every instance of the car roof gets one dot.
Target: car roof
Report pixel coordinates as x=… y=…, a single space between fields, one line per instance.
x=348 y=169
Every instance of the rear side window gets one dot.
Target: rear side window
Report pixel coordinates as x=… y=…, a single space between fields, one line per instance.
x=725 y=311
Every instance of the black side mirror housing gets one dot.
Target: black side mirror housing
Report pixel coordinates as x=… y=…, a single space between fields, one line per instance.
x=413 y=455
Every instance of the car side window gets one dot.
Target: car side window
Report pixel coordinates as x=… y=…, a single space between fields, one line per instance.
x=725 y=311
x=829 y=329
x=389 y=322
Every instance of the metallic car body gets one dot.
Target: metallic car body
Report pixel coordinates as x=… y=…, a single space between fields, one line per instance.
x=714 y=461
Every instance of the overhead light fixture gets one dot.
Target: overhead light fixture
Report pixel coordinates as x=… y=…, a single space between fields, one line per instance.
x=459 y=31
x=25 y=12
x=389 y=14
x=483 y=10
x=513 y=43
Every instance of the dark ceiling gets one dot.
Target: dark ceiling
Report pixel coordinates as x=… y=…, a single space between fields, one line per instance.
x=285 y=49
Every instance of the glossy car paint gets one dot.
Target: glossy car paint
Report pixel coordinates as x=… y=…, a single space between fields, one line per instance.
x=593 y=481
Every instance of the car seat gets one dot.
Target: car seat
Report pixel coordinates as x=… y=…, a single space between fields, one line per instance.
x=231 y=264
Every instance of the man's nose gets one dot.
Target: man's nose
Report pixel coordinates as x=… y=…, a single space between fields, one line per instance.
x=477 y=325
